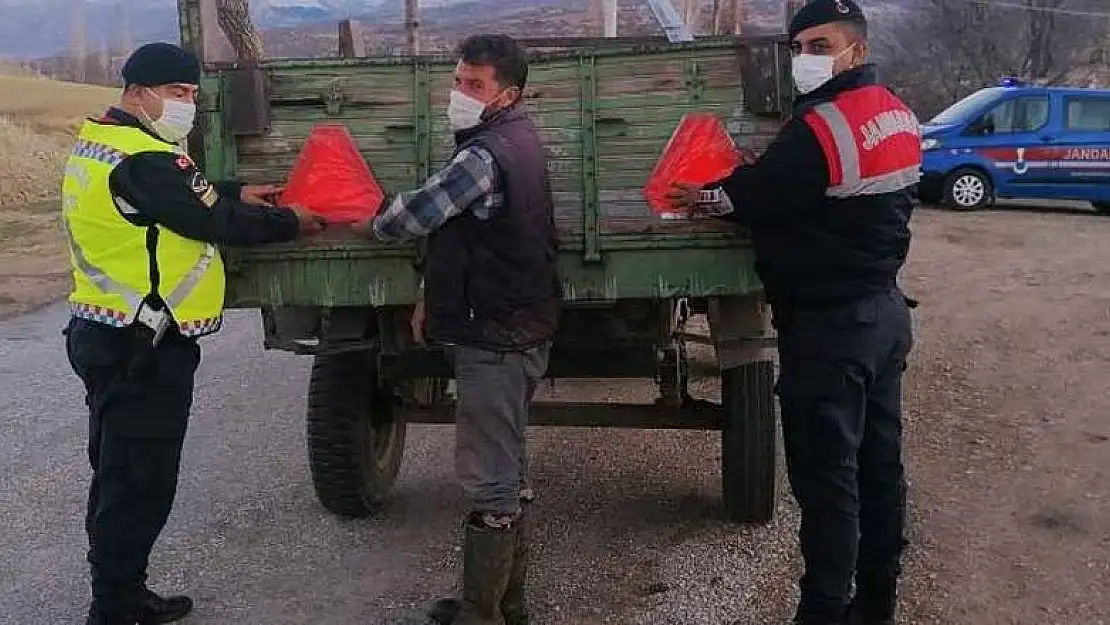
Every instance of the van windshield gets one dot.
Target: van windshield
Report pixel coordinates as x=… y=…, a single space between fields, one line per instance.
x=968 y=106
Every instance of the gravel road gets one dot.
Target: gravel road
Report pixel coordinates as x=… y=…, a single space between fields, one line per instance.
x=1007 y=435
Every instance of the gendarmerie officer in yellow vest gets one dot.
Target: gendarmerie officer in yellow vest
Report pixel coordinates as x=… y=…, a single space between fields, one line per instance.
x=143 y=225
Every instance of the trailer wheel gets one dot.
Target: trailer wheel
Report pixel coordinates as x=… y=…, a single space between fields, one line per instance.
x=1102 y=207
x=748 y=460
x=356 y=435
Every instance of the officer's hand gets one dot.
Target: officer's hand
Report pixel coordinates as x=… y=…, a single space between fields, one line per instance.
x=683 y=197
x=259 y=195
x=417 y=322
x=309 y=223
x=747 y=156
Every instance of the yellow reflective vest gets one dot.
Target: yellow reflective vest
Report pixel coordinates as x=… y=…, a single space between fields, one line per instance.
x=111 y=264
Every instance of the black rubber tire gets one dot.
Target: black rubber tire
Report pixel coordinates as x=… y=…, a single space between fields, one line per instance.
x=955 y=177
x=356 y=435
x=1102 y=207
x=748 y=447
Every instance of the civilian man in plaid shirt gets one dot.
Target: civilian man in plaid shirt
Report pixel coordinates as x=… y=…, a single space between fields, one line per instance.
x=493 y=300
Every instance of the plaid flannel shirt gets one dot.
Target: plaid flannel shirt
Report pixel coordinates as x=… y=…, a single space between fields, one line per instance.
x=469 y=181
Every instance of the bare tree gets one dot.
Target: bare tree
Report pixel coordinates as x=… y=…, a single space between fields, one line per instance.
x=234 y=17
x=950 y=48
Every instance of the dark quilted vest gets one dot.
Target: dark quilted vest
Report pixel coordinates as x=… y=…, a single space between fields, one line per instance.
x=492 y=283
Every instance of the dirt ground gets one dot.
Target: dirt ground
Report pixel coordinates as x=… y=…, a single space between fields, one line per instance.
x=34 y=269
x=1008 y=422
x=1008 y=413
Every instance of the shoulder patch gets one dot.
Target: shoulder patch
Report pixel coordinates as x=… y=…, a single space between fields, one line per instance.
x=203 y=189
x=198 y=183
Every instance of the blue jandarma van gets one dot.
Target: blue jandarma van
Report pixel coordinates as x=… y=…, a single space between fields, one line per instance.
x=1019 y=141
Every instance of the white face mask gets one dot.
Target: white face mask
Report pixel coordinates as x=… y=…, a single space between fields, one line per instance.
x=464 y=111
x=176 y=121
x=813 y=70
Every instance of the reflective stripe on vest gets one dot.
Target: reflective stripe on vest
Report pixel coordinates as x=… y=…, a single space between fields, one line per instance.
x=109 y=255
x=871 y=140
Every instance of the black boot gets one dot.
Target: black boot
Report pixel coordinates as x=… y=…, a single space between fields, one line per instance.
x=153 y=610
x=99 y=617
x=514 y=605
x=875 y=602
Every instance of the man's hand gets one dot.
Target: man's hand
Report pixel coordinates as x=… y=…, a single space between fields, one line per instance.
x=364 y=228
x=259 y=195
x=747 y=156
x=309 y=223
x=417 y=322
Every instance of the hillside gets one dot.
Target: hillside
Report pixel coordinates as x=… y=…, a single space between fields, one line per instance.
x=37 y=121
x=40 y=114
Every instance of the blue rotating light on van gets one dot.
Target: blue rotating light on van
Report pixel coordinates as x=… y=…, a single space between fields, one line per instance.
x=1011 y=81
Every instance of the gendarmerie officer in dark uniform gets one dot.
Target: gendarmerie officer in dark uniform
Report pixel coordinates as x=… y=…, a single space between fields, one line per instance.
x=828 y=208
x=143 y=224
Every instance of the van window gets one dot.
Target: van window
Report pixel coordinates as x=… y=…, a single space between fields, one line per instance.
x=1087 y=113
x=1022 y=114
x=961 y=110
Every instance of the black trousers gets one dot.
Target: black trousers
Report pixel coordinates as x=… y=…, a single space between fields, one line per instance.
x=139 y=401
x=840 y=390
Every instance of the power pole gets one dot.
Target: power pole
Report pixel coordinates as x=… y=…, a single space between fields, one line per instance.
x=691 y=14
x=104 y=61
x=609 y=12
x=790 y=9
x=77 y=39
x=739 y=16
x=412 y=23
x=729 y=16
x=127 y=39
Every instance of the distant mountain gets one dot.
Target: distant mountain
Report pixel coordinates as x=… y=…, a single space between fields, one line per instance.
x=42 y=28
x=35 y=28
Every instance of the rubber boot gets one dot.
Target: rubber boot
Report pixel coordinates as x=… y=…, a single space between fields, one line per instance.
x=514 y=605
x=487 y=562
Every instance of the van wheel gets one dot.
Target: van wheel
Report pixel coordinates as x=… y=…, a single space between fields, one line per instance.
x=1102 y=207
x=967 y=189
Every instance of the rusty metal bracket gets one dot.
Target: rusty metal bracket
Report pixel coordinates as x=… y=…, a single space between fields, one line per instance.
x=249 y=101
x=333 y=98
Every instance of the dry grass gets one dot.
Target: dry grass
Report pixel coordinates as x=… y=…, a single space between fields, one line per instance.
x=38 y=120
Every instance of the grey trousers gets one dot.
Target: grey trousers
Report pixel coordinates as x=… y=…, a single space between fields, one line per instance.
x=494 y=395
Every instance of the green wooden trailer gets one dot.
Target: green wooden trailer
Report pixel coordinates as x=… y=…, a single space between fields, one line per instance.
x=606 y=110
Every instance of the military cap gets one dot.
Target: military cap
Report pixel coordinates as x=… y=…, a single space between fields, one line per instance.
x=156 y=64
x=819 y=12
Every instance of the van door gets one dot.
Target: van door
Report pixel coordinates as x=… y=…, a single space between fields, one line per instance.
x=1083 y=169
x=1008 y=137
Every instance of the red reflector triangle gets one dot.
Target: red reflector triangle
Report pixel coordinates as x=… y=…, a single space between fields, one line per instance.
x=331 y=179
x=699 y=152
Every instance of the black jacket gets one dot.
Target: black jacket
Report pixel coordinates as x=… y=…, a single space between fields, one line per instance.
x=172 y=193
x=811 y=249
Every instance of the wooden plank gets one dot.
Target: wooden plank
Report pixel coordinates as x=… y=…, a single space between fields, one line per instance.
x=639 y=101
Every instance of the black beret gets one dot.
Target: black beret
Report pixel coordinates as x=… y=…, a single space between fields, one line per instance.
x=156 y=64
x=821 y=12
